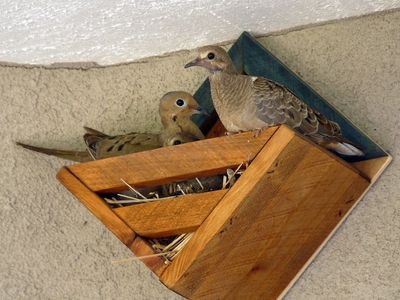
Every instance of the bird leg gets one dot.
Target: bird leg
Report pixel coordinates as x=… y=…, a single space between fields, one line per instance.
x=257 y=132
x=229 y=133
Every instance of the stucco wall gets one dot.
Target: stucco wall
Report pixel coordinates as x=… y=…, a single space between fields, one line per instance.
x=110 y=32
x=53 y=248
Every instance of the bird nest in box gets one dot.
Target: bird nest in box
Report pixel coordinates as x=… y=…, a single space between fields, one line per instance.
x=252 y=233
x=168 y=247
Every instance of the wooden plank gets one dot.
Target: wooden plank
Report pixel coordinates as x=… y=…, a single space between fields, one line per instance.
x=170 y=217
x=97 y=207
x=105 y=214
x=373 y=168
x=173 y=277
x=266 y=228
x=150 y=168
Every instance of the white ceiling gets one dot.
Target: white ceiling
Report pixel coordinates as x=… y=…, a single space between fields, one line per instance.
x=110 y=32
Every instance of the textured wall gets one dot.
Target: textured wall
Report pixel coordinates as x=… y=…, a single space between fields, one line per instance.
x=53 y=248
x=119 y=31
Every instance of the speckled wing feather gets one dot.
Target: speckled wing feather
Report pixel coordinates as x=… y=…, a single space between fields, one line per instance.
x=277 y=105
x=103 y=147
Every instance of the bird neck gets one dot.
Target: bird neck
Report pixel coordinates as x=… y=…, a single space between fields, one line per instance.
x=222 y=76
x=181 y=124
x=230 y=69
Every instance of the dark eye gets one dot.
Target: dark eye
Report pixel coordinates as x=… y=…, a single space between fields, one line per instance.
x=210 y=56
x=180 y=102
x=177 y=142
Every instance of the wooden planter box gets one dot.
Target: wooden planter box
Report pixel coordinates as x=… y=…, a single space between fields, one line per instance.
x=255 y=239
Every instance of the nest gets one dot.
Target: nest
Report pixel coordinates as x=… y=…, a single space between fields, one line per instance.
x=169 y=247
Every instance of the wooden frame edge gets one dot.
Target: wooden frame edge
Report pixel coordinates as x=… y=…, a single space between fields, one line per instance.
x=316 y=253
x=96 y=206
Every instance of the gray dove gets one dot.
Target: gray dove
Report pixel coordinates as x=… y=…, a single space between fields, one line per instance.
x=245 y=103
x=175 y=109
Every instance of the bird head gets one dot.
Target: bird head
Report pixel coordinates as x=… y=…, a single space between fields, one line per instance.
x=213 y=58
x=179 y=104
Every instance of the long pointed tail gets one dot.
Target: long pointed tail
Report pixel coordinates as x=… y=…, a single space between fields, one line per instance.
x=345 y=148
x=78 y=156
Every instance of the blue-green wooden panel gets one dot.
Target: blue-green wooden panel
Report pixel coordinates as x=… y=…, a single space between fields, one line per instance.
x=253 y=59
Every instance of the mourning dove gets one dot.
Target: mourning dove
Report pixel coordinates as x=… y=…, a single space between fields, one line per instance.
x=175 y=109
x=245 y=103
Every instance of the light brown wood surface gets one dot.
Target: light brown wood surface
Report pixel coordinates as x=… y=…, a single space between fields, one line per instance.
x=372 y=168
x=97 y=207
x=265 y=229
x=250 y=242
x=170 y=217
x=114 y=223
x=165 y=165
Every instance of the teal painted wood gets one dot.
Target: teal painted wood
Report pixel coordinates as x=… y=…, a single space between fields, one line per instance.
x=253 y=59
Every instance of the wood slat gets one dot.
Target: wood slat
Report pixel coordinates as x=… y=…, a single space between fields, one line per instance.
x=265 y=229
x=160 y=166
x=170 y=217
x=97 y=207
x=117 y=226
x=373 y=168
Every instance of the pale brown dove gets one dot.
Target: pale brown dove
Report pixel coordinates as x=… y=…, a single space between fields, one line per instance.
x=245 y=103
x=175 y=109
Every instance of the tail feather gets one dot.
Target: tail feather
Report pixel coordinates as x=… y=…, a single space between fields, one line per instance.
x=78 y=156
x=345 y=148
x=95 y=132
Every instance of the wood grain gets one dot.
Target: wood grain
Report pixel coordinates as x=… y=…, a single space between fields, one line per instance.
x=270 y=223
x=97 y=207
x=150 y=168
x=373 y=168
x=170 y=217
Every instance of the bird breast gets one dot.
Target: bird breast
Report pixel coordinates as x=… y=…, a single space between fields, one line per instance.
x=231 y=94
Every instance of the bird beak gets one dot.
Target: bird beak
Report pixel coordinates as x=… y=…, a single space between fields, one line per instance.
x=193 y=63
x=200 y=111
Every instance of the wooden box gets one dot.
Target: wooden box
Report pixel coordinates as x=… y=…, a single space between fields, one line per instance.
x=254 y=239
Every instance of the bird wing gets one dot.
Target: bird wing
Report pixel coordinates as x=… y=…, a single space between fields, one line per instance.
x=126 y=144
x=276 y=105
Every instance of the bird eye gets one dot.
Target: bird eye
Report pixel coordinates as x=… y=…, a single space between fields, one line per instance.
x=210 y=56
x=177 y=142
x=180 y=102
